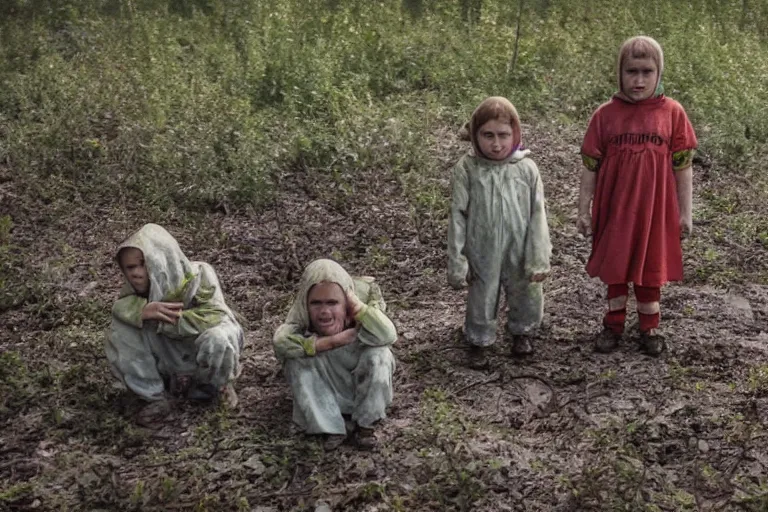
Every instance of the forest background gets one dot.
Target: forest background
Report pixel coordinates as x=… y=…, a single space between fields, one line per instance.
x=206 y=115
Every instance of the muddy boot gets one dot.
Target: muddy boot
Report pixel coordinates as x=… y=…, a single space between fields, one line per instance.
x=365 y=439
x=478 y=359
x=153 y=414
x=652 y=343
x=607 y=341
x=350 y=426
x=522 y=345
x=333 y=441
x=208 y=393
x=202 y=392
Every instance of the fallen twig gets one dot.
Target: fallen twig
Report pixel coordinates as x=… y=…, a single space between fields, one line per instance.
x=739 y=459
x=553 y=403
x=590 y=397
x=475 y=384
x=640 y=483
x=10 y=463
x=278 y=494
x=282 y=492
x=554 y=400
x=697 y=495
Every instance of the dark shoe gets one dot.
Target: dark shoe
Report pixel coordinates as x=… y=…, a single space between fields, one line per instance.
x=521 y=345
x=153 y=414
x=365 y=439
x=478 y=359
x=209 y=393
x=202 y=392
x=652 y=344
x=607 y=341
x=333 y=441
x=350 y=426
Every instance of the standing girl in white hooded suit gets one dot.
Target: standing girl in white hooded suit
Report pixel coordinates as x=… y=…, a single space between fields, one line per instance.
x=498 y=239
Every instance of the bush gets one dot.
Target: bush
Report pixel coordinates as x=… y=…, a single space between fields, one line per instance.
x=201 y=103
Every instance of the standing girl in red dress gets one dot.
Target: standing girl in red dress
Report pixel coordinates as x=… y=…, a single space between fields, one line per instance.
x=637 y=151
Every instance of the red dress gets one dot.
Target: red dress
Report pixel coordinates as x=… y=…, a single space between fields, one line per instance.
x=635 y=215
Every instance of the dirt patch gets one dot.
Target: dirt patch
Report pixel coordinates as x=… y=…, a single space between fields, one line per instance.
x=566 y=429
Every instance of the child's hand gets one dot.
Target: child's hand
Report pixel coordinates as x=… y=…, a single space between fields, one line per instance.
x=341 y=339
x=584 y=224
x=346 y=337
x=168 y=312
x=539 y=277
x=686 y=226
x=354 y=304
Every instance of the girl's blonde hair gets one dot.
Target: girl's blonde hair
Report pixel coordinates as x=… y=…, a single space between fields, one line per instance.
x=640 y=47
x=494 y=107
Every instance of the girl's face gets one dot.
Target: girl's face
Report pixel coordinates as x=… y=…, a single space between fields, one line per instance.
x=495 y=139
x=327 y=308
x=639 y=78
x=132 y=263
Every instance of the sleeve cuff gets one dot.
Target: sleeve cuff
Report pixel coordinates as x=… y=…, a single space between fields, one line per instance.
x=591 y=163
x=359 y=316
x=683 y=159
x=309 y=346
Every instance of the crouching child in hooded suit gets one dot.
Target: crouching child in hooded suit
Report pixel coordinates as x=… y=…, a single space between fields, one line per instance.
x=172 y=334
x=335 y=350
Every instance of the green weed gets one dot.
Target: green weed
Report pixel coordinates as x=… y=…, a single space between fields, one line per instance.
x=138 y=495
x=16 y=492
x=205 y=108
x=758 y=379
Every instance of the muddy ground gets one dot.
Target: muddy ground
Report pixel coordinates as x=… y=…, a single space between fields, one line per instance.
x=567 y=429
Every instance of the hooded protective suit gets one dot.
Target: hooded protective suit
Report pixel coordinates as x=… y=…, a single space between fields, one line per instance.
x=354 y=379
x=205 y=343
x=498 y=238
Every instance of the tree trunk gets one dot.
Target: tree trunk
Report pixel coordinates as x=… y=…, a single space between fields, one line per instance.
x=470 y=11
x=744 y=14
x=517 y=37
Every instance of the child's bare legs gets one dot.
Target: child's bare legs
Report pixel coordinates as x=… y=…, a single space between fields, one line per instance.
x=648 y=311
x=613 y=322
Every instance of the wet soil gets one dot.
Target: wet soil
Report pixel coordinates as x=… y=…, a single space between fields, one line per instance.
x=565 y=429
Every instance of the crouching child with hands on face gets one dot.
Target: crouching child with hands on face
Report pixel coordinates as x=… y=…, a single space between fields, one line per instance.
x=335 y=350
x=172 y=334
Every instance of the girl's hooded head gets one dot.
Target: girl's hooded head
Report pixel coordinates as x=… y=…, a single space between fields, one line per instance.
x=321 y=303
x=153 y=262
x=639 y=68
x=494 y=128
x=131 y=261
